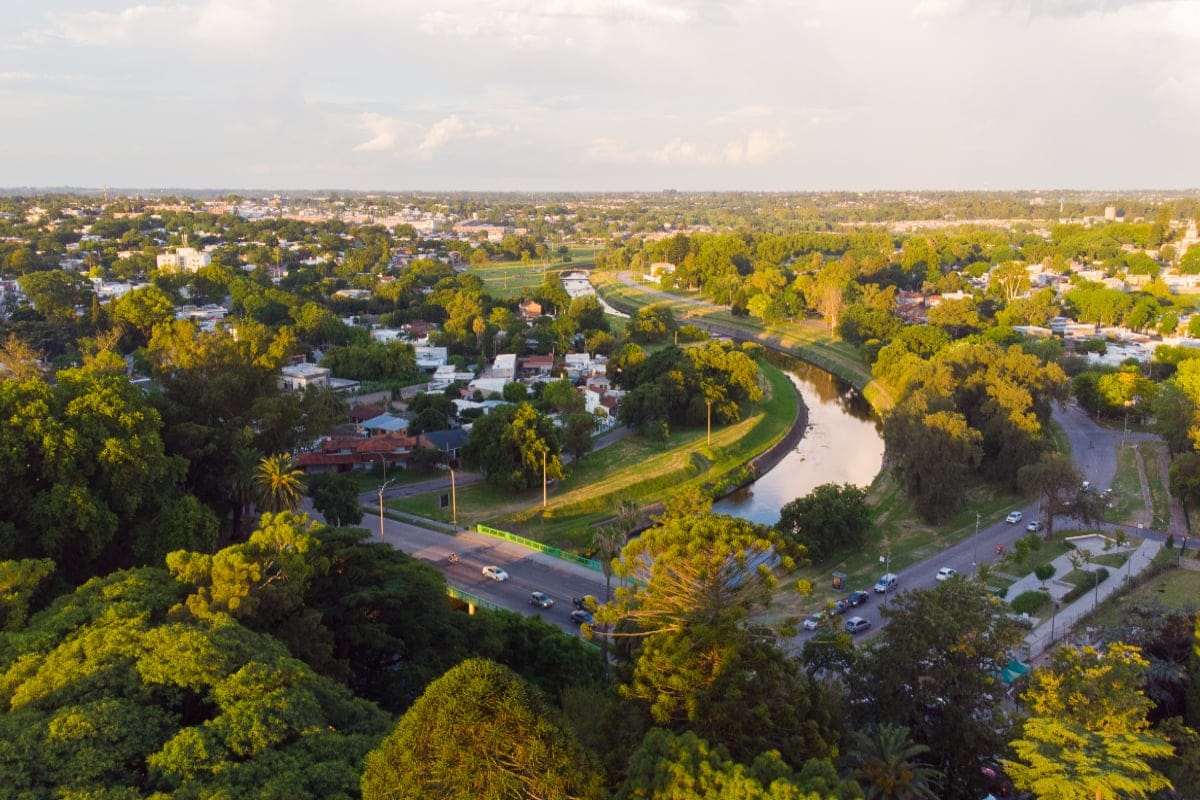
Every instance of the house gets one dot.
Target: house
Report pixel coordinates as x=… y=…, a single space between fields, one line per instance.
x=530 y=310
x=505 y=366
x=657 y=270
x=537 y=366
x=384 y=424
x=430 y=359
x=298 y=377
x=346 y=453
x=450 y=442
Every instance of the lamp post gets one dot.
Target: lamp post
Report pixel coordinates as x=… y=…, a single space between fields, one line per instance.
x=383 y=486
x=545 y=502
x=975 y=549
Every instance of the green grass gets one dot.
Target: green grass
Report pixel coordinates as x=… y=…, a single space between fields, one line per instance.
x=1173 y=589
x=1126 y=498
x=634 y=468
x=1153 y=458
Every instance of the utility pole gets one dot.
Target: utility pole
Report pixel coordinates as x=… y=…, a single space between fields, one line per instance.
x=975 y=549
x=709 y=404
x=544 y=500
x=381 y=488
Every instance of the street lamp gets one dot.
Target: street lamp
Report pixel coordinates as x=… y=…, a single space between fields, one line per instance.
x=545 y=502
x=975 y=549
x=453 y=497
x=381 y=488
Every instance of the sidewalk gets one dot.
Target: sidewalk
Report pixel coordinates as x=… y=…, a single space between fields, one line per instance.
x=1045 y=635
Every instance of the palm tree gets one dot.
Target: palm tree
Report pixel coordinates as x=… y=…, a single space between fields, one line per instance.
x=242 y=486
x=279 y=483
x=887 y=768
x=608 y=542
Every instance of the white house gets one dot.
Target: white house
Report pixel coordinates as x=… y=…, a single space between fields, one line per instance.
x=431 y=358
x=188 y=259
x=298 y=377
x=505 y=366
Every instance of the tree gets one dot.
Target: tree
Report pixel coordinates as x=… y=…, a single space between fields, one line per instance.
x=1185 y=479
x=887 y=765
x=933 y=670
x=336 y=497
x=141 y=309
x=669 y=766
x=510 y=446
x=1087 y=735
x=829 y=518
x=150 y=699
x=22 y=361
x=478 y=731
x=691 y=582
x=1056 y=479
x=577 y=434
x=279 y=482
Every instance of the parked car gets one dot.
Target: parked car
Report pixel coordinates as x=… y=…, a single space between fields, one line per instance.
x=1035 y=526
x=886 y=583
x=841 y=606
x=1014 y=517
x=540 y=600
x=581 y=617
x=813 y=621
x=946 y=573
x=856 y=599
x=857 y=625
x=495 y=573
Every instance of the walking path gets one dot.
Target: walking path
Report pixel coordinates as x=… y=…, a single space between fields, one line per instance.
x=1048 y=632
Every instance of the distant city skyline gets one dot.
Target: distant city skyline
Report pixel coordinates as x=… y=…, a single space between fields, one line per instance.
x=601 y=95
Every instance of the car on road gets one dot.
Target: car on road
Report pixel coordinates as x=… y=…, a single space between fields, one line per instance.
x=856 y=599
x=857 y=625
x=541 y=600
x=813 y=621
x=946 y=573
x=582 y=617
x=1035 y=526
x=585 y=602
x=495 y=573
x=1014 y=517
x=886 y=583
x=841 y=606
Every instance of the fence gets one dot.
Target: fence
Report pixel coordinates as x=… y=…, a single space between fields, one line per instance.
x=467 y=597
x=556 y=552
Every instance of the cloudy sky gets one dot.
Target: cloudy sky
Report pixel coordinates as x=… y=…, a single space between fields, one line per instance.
x=584 y=95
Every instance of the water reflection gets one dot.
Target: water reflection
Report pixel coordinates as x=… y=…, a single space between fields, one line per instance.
x=841 y=445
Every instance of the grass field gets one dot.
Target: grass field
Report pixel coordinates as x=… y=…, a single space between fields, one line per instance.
x=1173 y=589
x=634 y=468
x=509 y=279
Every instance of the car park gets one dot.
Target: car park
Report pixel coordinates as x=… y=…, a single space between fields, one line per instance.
x=856 y=599
x=1014 y=517
x=541 y=600
x=857 y=625
x=946 y=573
x=1035 y=526
x=813 y=621
x=495 y=573
x=887 y=583
x=581 y=617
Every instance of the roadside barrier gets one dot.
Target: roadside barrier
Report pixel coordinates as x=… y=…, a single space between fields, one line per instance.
x=556 y=552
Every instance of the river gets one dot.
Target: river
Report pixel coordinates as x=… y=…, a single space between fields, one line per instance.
x=841 y=444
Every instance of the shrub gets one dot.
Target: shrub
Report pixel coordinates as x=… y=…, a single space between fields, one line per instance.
x=1044 y=572
x=1029 y=602
x=1099 y=576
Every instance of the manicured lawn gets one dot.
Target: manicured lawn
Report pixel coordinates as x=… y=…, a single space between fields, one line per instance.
x=1127 y=504
x=1174 y=589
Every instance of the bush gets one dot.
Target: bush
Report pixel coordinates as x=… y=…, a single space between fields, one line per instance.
x=1044 y=572
x=1029 y=602
x=1099 y=576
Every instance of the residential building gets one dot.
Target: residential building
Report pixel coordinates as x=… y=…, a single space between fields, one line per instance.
x=298 y=377
x=346 y=453
x=186 y=259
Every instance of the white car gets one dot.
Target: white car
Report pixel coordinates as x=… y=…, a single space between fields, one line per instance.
x=946 y=573
x=1014 y=517
x=813 y=621
x=495 y=573
x=886 y=583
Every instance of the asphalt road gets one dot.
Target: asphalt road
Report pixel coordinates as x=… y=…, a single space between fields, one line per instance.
x=1094 y=448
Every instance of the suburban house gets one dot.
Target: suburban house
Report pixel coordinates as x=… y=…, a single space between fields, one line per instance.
x=505 y=366
x=298 y=377
x=530 y=310
x=345 y=453
x=537 y=366
x=450 y=443
x=384 y=425
x=429 y=358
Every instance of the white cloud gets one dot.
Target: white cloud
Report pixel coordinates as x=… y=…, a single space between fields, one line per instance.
x=234 y=23
x=101 y=28
x=752 y=148
x=408 y=139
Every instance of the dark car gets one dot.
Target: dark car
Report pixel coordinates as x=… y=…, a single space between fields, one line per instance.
x=856 y=599
x=841 y=606
x=582 y=617
x=584 y=603
x=540 y=600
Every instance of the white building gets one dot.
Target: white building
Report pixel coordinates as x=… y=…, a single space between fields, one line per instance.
x=431 y=358
x=298 y=377
x=184 y=259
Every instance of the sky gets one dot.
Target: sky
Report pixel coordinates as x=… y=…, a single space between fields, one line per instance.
x=600 y=95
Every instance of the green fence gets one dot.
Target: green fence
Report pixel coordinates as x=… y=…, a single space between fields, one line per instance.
x=467 y=597
x=590 y=563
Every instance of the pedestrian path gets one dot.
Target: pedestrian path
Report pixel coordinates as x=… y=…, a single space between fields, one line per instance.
x=1048 y=632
